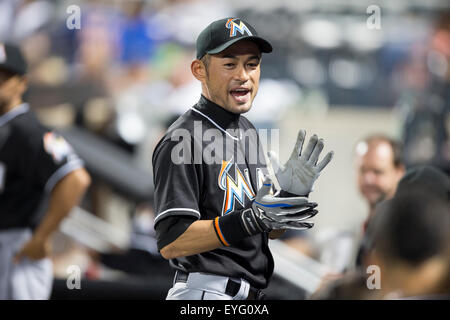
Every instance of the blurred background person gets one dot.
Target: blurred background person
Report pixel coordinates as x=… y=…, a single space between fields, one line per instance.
x=425 y=103
x=379 y=165
x=408 y=241
x=410 y=238
x=41 y=180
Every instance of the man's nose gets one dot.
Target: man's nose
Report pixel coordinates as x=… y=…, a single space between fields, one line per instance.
x=369 y=177
x=242 y=74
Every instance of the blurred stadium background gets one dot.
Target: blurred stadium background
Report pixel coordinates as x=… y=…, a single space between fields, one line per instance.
x=113 y=85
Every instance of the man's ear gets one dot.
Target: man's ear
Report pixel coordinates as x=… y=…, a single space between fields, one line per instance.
x=198 y=70
x=400 y=170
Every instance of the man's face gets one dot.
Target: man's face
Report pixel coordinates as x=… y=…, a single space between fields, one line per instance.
x=233 y=76
x=377 y=175
x=11 y=87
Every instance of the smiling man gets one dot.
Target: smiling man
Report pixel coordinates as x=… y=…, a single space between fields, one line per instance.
x=214 y=220
x=220 y=83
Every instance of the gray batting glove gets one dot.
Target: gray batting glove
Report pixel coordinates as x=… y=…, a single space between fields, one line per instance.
x=269 y=212
x=300 y=172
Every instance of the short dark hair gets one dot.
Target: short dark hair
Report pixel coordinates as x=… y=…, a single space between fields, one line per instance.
x=6 y=73
x=415 y=224
x=396 y=146
x=426 y=178
x=205 y=60
x=411 y=228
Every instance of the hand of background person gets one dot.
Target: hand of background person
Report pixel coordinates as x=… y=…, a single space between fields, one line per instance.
x=35 y=249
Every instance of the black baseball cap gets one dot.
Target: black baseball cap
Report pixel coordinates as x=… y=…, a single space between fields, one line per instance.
x=221 y=34
x=11 y=59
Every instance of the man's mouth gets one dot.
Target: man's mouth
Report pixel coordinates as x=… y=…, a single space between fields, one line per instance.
x=240 y=95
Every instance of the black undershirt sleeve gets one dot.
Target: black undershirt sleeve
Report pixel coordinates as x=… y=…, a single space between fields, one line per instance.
x=170 y=228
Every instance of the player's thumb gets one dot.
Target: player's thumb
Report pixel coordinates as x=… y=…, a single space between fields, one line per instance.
x=265 y=189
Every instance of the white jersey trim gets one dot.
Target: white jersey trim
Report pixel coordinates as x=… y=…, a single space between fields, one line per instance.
x=226 y=132
x=177 y=209
x=62 y=172
x=23 y=108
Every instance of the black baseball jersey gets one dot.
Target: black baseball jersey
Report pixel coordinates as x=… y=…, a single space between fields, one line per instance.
x=32 y=161
x=211 y=163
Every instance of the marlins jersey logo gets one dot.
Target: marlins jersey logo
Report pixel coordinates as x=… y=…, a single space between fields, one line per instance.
x=56 y=146
x=237 y=188
x=233 y=26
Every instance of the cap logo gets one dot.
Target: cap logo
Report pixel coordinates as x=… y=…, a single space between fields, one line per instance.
x=2 y=53
x=233 y=26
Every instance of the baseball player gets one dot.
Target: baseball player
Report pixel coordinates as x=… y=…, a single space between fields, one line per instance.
x=41 y=179
x=215 y=205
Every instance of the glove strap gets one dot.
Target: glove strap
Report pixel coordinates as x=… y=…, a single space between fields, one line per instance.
x=234 y=227
x=285 y=194
x=250 y=222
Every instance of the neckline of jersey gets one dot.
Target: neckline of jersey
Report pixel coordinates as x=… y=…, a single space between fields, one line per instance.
x=218 y=116
x=22 y=108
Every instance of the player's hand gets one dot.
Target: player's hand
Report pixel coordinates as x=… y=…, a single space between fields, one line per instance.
x=281 y=213
x=300 y=172
x=35 y=249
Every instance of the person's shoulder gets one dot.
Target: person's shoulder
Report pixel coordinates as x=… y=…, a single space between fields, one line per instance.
x=25 y=119
x=28 y=129
x=185 y=121
x=183 y=126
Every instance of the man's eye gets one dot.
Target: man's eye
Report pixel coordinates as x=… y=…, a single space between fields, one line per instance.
x=229 y=64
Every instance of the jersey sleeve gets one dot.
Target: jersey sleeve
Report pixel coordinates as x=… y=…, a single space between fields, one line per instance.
x=55 y=158
x=170 y=228
x=177 y=185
